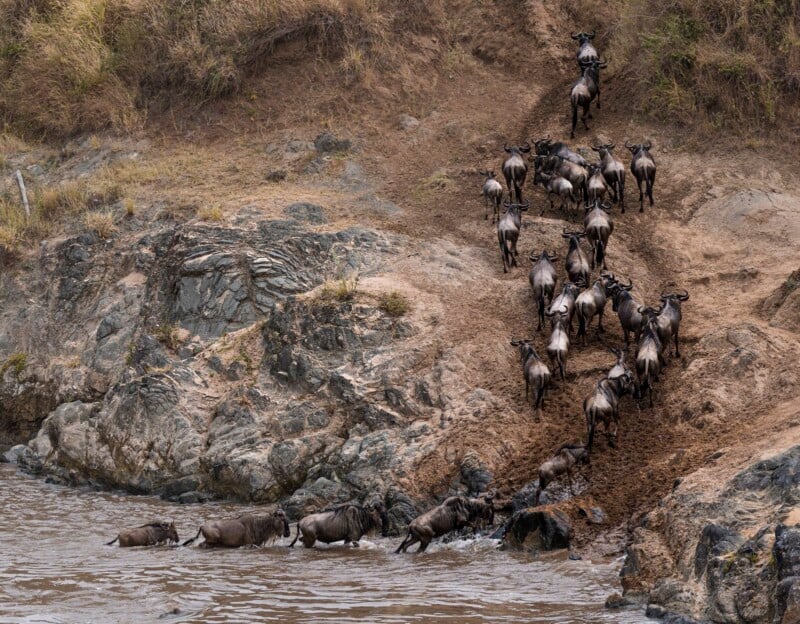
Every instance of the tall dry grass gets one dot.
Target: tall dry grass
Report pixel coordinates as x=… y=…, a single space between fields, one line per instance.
x=730 y=63
x=68 y=66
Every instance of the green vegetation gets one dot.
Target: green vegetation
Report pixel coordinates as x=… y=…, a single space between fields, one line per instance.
x=732 y=63
x=394 y=304
x=16 y=363
x=167 y=334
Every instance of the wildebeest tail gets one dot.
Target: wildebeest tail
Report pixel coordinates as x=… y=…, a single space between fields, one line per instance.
x=112 y=541
x=192 y=539
x=541 y=309
x=403 y=543
x=296 y=537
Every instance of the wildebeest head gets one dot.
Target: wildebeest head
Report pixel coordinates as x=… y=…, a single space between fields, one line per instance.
x=378 y=517
x=617 y=291
x=517 y=149
x=637 y=148
x=172 y=532
x=280 y=514
x=583 y=37
x=677 y=296
x=543 y=145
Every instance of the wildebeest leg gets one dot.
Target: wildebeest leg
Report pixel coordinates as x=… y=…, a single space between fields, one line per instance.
x=586 y=114
x=650 y=181
x=404 y=544
x=641 y=195
x=598 y=97
x=600 y=328
x=308 y=540
x=527 y=387
x=422 y=546
x=355 y=544
x=677 y=353
x=574 y=120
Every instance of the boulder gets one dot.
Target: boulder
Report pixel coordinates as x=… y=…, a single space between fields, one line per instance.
x=538 y=528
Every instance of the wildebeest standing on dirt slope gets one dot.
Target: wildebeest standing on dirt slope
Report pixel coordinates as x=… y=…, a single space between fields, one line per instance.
x=147 y=535
x=346 y=523
x=246 y=530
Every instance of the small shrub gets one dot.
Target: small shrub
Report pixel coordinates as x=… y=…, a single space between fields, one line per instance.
x=394 y=304
x=101 y=223
x=343 y=289
x=16 y=363
x=65 y=199
x=210 y=213
x=167 y=335
x=130 y=207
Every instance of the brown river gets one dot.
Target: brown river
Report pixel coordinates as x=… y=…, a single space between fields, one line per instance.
x=54 y=567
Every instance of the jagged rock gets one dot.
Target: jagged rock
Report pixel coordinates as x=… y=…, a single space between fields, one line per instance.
x=714 y=541
x=474 y=474
x=408 y=123
x=655 y=611
x=303 y=211
x=538 y=529
x=326 y=143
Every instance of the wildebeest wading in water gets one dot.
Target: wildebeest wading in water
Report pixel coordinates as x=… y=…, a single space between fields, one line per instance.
x=246 y=530
x=147 y=535
x=347 y=523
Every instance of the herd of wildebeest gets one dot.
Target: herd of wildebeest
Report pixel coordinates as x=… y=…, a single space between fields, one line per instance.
x=576 y=182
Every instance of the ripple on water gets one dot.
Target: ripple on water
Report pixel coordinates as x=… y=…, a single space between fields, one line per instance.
x=54 y=568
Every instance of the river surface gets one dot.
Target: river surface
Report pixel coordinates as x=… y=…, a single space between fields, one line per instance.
x=54 y=567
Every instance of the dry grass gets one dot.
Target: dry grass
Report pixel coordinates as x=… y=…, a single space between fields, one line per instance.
x=210 y=213
x=730 y=63
x=394 y=304
x=342 y=289
x=101 y=222
x=77 y=65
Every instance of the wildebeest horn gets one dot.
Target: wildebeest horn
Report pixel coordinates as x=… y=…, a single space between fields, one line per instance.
x=515 y=343
x=549 y=313
x=615 y=351
x=574 y=36
x=591 y=36
x=629 y=146
x=552 y=256
x=629 y=286
x=505 y=148
x=506 y=204
x=684 y=296
x=524 y=206
x=606 y=205
x=596 y=148
x=641 y=309
x=609 y=146
x=647 y=145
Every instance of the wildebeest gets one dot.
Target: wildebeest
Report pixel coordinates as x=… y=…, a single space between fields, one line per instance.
x=584 y=91
x=597 y=187
x=546 y=147
x=565 y=299
x=620 y=366
x=515 y=169
x=147 y=535
x=454 y=513
x=591 y=302
x=586 y=51
x=649 y=356
x=573 y=173
x=554 y=184
x=535 y=371
x=246 y=530
x=347 y=523
x=543 y=278
x=643 y=168
x=598 y=226
x=669 y=319
x=576 y=262
x=613 y=172
x=558 y=347
x=563 y=461
x=627 y=308
x=492 y=195
x=603 y=405
x=508 y=228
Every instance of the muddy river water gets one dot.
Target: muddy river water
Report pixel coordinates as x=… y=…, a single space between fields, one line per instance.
x=54 y=567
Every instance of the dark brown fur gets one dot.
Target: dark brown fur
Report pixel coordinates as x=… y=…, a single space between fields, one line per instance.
x=246 y=530
x=147 y=535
